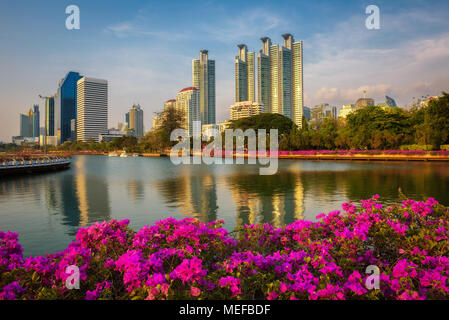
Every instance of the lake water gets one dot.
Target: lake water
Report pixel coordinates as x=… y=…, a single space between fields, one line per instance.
x=47 y=209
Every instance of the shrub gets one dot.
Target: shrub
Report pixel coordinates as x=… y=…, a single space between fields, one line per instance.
x=187 y=259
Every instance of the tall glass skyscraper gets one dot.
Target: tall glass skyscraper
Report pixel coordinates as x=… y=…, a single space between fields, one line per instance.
x=280 y=78
x=263 y=74
x=244 y=75
x=65 y=105
x=203 y=78
x=50 y=116
x=29 y=123
x=36 y=121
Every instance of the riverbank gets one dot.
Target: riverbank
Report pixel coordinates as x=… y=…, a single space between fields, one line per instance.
x=315 y=155
x=405 y=245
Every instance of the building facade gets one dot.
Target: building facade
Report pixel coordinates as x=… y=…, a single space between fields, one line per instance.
x=92 y=108
x=364 y=102
x=346 y=110
x=136 y=120
x=188 y=101
x=280 y=78
x=203 y=79
x=246 y=109
x=30 y=122
x=244 y=75
x=65 y=106
x=50 y=116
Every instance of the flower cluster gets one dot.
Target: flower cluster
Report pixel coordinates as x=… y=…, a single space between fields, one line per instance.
x=186 y=259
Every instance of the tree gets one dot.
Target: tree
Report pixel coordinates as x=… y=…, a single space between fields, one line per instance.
x=435 y=127
x=265 y=121
x=171 y=119
x=375 y=128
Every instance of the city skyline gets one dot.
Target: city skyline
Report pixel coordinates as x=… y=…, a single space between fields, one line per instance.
x=146 y=56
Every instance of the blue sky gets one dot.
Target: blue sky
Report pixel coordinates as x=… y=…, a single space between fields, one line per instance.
x=144 y=49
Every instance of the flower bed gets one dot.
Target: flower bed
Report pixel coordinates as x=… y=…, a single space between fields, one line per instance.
x=187 y=259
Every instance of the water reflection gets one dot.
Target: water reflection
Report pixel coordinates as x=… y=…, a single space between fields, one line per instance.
x=277 y=199
x=193 y=191
x=47 y=209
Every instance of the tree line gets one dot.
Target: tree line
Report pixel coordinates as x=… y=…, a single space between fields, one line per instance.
x=368 y=128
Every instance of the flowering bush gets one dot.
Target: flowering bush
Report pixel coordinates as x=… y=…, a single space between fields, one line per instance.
x=187 y=259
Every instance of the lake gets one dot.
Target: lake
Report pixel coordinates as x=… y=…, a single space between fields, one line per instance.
x=47 y=209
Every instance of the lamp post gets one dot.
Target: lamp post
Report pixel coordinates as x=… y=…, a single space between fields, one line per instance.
x=45 y=120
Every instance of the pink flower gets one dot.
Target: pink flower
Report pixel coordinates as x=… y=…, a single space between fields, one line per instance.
x=195 y=292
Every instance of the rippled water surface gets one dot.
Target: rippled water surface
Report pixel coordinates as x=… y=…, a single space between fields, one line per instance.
x=47 y=209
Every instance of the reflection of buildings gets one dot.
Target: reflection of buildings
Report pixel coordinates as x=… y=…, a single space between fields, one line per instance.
x=79 y=197
x=92 y=194
x=136 y=189
x=193 y=192
x=274 y=199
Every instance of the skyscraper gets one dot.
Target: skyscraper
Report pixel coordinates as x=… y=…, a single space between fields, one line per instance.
x=390 y=101
x=136 y=120
x=188 y=101
x=65 y=106
x=29 y=123
x=263 y=77
x=25 y=130
x=92 y=108
x=203 y=79
x=50 y=116
x=36 y=121
x=244 y=75
x=280 y=78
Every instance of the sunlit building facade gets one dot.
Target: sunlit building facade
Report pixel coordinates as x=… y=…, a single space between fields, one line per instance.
x=203 y=79
x=65 y=106
x=136 y=120
x=245 y=109
x=188 y=101
x=92 y=108
x=244 y=75
x=280 y=78
x=346 y=110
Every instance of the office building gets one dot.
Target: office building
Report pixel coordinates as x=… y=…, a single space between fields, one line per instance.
x=390 y=102
x=50 y=116
x=364 y=102
x=346 y=110
x=263 y=74
x=65 y=106
x=188 y=101
x=244 y=75
x=203 y=79
x=25 y=127
x=92 y=108
x=245 y=109
x=135 y=116
x=280 y=78
x=170 y=104
x=306 y=113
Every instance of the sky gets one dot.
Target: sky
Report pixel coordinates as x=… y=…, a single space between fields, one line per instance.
x=145 y=49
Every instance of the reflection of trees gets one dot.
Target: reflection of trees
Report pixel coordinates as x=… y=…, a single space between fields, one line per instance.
x=417 y=180
x=194 y=193
x=276 y=199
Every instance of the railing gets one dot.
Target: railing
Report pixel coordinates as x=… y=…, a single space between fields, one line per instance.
x=22 y=163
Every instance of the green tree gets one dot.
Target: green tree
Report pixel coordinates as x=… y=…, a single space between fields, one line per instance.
x=435 y=127
x=171 y=119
